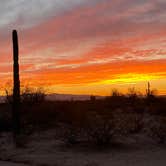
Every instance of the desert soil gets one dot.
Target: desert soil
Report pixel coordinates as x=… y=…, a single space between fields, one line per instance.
x=43 y=149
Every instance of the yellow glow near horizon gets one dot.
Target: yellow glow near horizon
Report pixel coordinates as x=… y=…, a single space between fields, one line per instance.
x=132 y=78
x=122 y=83
x=72 y=56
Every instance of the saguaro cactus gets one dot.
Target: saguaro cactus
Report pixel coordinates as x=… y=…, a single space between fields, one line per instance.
x=16 y=86
x=148 y=90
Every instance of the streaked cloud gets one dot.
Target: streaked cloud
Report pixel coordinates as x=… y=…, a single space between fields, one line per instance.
x=73 y=41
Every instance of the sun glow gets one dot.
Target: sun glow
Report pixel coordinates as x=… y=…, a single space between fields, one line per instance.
x=85 y=50
x=132 y=78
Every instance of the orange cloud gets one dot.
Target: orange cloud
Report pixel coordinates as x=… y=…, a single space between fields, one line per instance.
x=103 y=44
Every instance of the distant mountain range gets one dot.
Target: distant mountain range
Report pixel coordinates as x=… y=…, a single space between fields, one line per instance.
x=62 y=97
x=66 y=97
x=69 y=97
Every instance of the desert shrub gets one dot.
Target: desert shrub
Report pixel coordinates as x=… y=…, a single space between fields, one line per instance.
x=112 y=101
x=71 y=135
x=32 y=96
x=28 y=95
x=74 y=120
x=39 y=116
x=128 y=122
x=115 y=93
x=133 y=123
x=151 y=96
x=9 y=96
x=157 y=129
x=132 y=96
x=100 y=129
x=158 y=106
x=138 y=124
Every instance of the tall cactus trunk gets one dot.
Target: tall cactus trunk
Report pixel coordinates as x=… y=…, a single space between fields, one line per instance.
x=16 y=86
x=148 y=90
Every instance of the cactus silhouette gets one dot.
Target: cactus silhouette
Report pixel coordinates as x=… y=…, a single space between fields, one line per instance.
x=148 y=90
x=16 y=86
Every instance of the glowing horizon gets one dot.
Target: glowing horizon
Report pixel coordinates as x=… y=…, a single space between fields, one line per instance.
x=82 y=47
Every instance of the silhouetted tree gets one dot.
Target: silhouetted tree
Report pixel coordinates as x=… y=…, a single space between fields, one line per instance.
x=16 y=86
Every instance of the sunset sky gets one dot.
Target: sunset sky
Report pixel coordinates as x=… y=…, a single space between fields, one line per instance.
x=85 y=46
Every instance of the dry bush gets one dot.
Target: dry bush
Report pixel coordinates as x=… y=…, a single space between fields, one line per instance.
x=88 y=126
x=28 y=95
x=157 y=129
x=100 y=129
x=32 y=96
x=75 y=120
x=72 y=135
x=132 y=95
x=133 y=123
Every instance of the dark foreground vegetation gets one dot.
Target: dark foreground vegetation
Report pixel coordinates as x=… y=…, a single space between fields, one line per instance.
x=95 y=121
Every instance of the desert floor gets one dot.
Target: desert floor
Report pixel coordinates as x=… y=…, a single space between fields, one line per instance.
x=43 y=149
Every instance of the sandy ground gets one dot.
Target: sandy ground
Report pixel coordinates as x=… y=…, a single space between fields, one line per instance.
x=45 y=150
x=6 y=163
